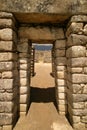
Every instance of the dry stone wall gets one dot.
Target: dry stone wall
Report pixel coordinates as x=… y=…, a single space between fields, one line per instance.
x=76 y=54
x=60 y=72
x=24 y=49
x=9 y=84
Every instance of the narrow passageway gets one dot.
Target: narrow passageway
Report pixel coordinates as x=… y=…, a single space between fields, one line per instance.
x=42 y=114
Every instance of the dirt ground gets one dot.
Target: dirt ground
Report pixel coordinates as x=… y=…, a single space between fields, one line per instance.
x=42 y=114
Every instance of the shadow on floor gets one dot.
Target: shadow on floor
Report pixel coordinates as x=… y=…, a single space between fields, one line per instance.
x=44 y=95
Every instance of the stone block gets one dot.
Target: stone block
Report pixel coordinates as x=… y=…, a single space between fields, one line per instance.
x=7 y=127
x=24 y=90
x=61 y=89
x=7 y=75
x=76 y=51
x=23 y=67
x=85 y=29
x=61 y=82
x=6 y=83
x=59 y=53
x=78 y=18
x=85 y=89
x=61 y=75
x=61 y=61
x=79 y=97
x=79 y=126
x=23 y=99
x=79 y=112
x=61 y=68
x=60 y=44
x=7 y=46
x=23 y=74
x=84 y=119
x=23 y=61
x=5 y=119
x=6 y=15
x=85 y=70
x=6 y=34
x=24 y=55
x=62 y=102
x=23 y=107
x=75 y=39
x=76 y=119
x=22 y=47
x=6 y=107
x=75 y=28
x=6 y=96
x=61 y=108
x=61 y=95
x=78 y=105
x=79 y=78
x=6 y=23
x=6 y=66
x=8 y=56
x=75 y=70
x=23 y=81
x=77 y=62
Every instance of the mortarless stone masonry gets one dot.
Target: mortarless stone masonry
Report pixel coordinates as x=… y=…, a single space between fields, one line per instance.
x=65 y=26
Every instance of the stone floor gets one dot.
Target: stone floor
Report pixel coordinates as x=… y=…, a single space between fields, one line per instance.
x=43 y=114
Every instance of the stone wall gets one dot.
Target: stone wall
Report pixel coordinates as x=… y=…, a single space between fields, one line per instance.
x=76 y=54
x=9 y=84
x=24 y=49
x=59 y=60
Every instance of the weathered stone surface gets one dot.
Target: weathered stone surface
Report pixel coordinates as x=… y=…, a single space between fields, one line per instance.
x=61 y=95
x=23 y=74
x=76 y=51
x=23 y=90
x=59 y=53
x=74 y=28
x=7 y=75
x=60 y=44
x=23 y=66
x=79 y=78
x=76 y=119
x=6 y=34
x=23 y=61
x=61 y=68
x=7 y=127
x=75 y=39
x=22 y=47
x=84 y=119
x=6 y=23
x=8 y=56
x=60 y=82
x=5 y=119
x=6 y=96
x=61 y=75
x=85 y=29
x=23 y=99
x=77 y=62
x=61 y=89
x=85 y=89
x=79 y=126
x=75 y=70
x=23 y=81
x=4 y=66
x=61 y=61
x=6 y=83
x=24 y=55
x=78 y=105
x=7 y=46
x=79 y=18
x=80 y=97
x=6 y=15
x=23 y=107
x=79 y=112
x=40 y=34
x=6 y=107
x=61 y=107
x=85 y=70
